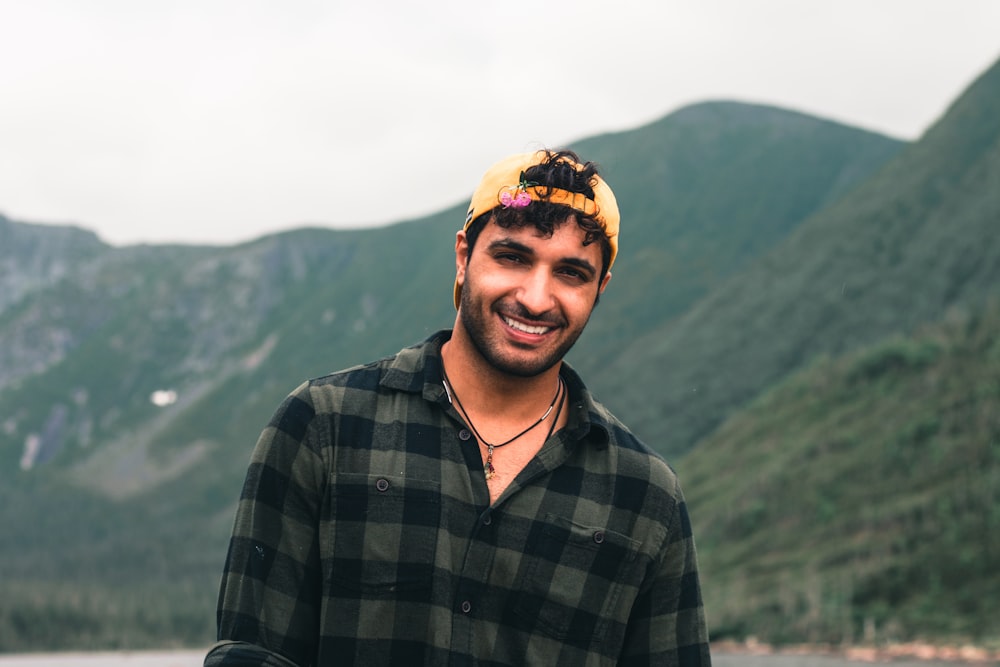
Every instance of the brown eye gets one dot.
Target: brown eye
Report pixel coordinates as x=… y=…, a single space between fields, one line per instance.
x=574 y=274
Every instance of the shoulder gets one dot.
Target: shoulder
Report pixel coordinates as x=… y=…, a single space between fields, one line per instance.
x=355 y=390
x=330 y=393
x=634 y=457
x=646 y=481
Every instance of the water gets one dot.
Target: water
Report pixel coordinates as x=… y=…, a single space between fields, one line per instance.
x=124 y=659
x=194 y=659
x=732 y=660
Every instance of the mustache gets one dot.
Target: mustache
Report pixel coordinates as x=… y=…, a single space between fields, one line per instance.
x=517 y=309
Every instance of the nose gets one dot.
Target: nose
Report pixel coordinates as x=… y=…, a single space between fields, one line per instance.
x=535 y=294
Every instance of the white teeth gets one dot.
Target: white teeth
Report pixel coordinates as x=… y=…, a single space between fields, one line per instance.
x=524 y=327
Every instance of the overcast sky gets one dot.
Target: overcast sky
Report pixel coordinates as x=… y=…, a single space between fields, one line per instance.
x=217 y=121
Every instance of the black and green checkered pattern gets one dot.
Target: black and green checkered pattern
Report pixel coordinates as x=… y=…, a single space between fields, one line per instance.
x=365 y=536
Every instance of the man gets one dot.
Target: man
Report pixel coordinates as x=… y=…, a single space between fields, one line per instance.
x=467 y=501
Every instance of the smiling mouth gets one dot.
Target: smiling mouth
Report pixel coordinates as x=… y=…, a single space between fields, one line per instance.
x=526 y=328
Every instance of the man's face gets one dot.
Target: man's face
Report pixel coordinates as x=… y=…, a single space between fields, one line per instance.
x=527 y=298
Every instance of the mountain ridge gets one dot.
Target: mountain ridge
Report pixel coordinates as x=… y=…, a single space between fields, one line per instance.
x=844 y=278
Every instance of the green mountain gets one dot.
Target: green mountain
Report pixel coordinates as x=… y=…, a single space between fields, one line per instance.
x=860 y=495
x=840 y=400
x=133 y=381
x=917 y=239
x=704 y=192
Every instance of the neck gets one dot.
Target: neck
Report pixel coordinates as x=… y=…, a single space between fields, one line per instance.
x=482 y=386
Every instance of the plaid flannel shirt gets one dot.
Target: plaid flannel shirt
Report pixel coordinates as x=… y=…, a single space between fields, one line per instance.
x=365 y=535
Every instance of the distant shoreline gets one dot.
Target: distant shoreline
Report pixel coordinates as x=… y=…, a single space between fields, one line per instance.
x=150 y=658
x=923 y=652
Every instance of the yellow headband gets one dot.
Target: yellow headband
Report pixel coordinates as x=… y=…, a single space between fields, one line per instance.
x=502 y=183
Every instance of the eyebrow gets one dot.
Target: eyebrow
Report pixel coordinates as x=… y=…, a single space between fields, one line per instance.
x=511 y=244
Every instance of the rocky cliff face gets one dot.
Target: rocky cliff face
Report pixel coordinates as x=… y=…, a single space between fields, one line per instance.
x=116 y=339
x=33 y=257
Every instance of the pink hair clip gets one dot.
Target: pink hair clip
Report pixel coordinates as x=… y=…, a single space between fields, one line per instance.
x=519 y=199
x=517 y=196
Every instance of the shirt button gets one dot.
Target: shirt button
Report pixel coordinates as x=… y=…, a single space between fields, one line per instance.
x=599 y=536
x=464 y=434
x=466 y=606
x=382 y=485
x=488 y=519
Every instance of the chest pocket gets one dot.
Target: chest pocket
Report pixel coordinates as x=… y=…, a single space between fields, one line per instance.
x=573 y=578
x=382 y=535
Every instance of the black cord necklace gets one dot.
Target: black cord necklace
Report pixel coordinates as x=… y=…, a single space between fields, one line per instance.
x=488 y=468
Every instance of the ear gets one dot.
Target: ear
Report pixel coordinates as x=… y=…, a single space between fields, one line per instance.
x=461 y=256
x=604 y=283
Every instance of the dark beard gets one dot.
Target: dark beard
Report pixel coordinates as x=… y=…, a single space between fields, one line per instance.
x=476 y=328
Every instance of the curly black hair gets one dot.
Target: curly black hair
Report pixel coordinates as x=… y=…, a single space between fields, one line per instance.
x=561 y=169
